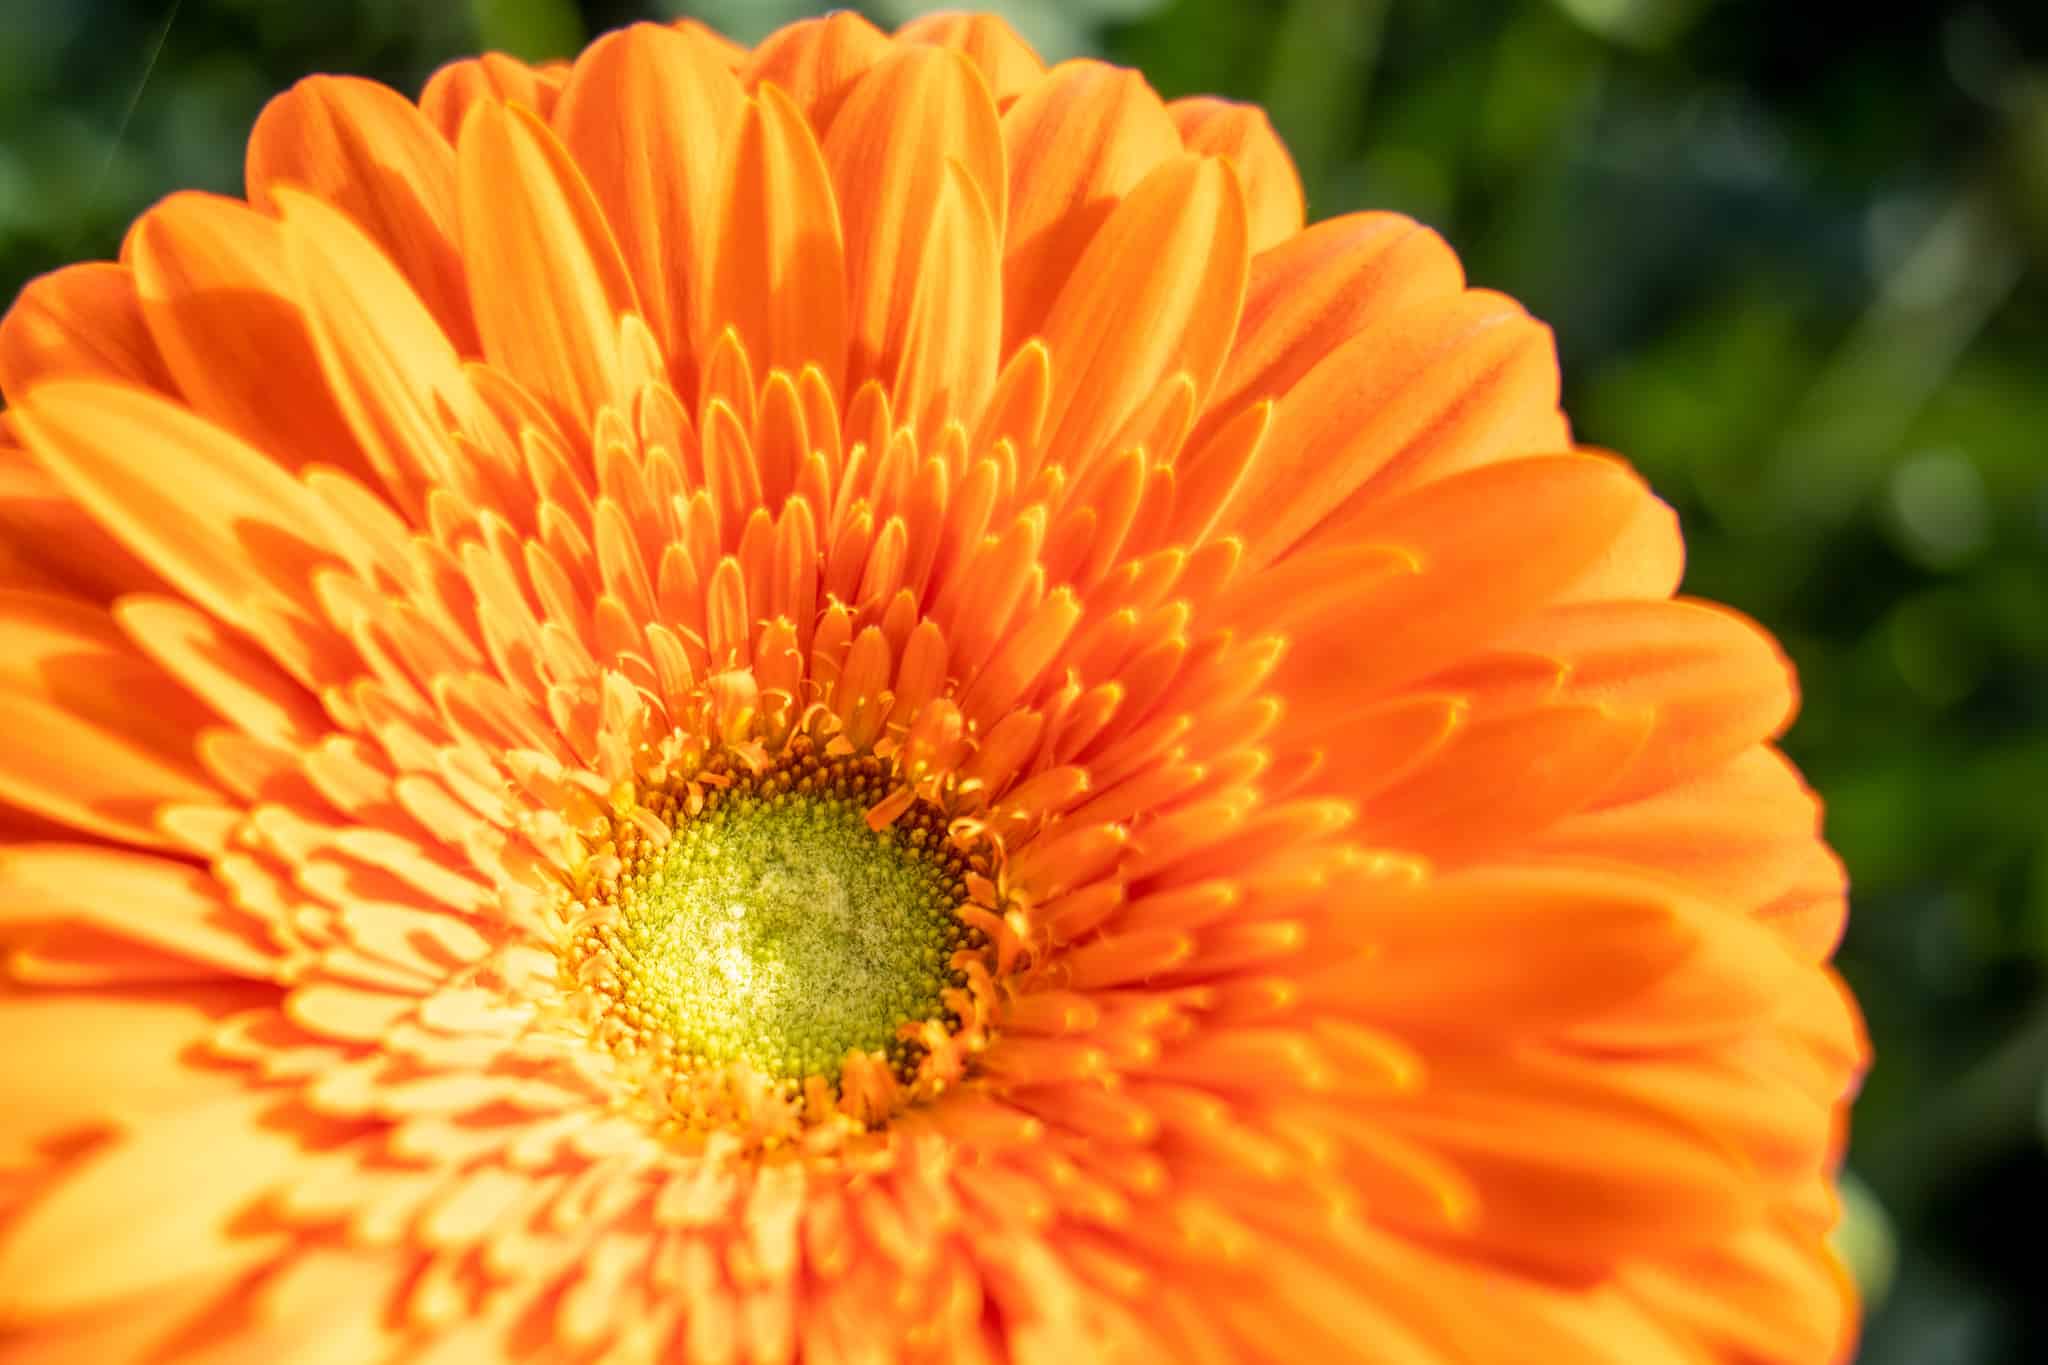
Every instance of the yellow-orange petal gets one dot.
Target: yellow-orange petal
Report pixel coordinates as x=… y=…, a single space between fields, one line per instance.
x=150 y=1038
x=242 y=687
x=393 y=372
x=49 y=543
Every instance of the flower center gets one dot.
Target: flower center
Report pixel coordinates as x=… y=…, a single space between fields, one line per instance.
x=758 y=918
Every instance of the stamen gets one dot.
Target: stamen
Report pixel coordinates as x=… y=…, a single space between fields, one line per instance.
x=789 y=919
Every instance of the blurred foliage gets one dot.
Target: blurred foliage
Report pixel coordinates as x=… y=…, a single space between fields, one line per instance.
x=1797 y=262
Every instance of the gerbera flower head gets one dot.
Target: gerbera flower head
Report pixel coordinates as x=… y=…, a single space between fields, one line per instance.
x=848 y=702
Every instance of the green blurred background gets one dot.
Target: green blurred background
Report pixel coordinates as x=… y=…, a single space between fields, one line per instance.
x=1797 y=261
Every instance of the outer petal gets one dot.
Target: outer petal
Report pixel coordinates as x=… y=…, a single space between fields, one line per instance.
x=218 y=299
x=392 y=371
x=1746 y=834
x=647 y=113
x=103 y=1060
x=1078 y=142
x=369 y=152
x=1572 y=1173
x=1456 y=564
x=1717 y=683
x=1773 y=1292
x=1455 y=385
x=173 y=907
x=1350 y=276
x=1157 y=293
x=452 y=91
x=902 y=125
x=546 y=281
x=953 y=330
x=81 y=322
x=776 y=271
x=132 y=459
x=101 y=739
x=48 y=542
x=177 y=1185
x=1241 y=133
x=1006 y=61
x=816 y=61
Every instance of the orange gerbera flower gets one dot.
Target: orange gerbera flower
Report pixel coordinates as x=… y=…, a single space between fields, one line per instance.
x=849 y=703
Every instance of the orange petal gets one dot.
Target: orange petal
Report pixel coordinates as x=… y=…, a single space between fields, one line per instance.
x=1774 y=1291
x=1528 y=1318
x=101 y=1060
x=81 y=322
x=1459 y=384
x=218 y=298
x=1646 y=559
x=816 y=61
x=1746 y=834
x=179 y=1187
x=1717 y=683
x=1241 y=133
x=1501 y=779
x=1009 y=676
x=50 y=543
x=452 y=91
x=954 y=327
x=101 y=738
x=546 y=279
x=1362 y=273
x=646 y=114
x=238 y=683
x=1572 y=1173
x=173 y=907
x=729 y=53
x=1005 y=60
x=393 y=372
x=132 y=460
x=1157 y=292
x=368 y=151
x=1487 y=547
x=776 y=272
x=1078 y=141
x=905 y=125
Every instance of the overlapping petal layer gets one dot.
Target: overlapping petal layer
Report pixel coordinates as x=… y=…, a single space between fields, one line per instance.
x=1408 y=946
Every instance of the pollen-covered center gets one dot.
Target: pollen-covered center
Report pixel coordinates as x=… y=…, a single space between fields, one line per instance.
x=773 y=925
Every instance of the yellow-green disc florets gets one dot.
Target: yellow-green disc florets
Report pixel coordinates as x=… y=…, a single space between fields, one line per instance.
x=775 y=927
